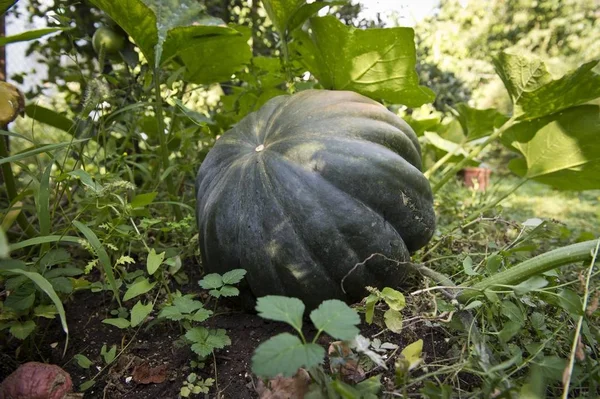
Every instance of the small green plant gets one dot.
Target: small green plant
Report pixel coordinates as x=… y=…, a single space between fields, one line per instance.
x=285 y=353
x=189 y=311
x=222 y=286
x=393 y=299
x=107 y=354
x=194 y=385
x=32 y=290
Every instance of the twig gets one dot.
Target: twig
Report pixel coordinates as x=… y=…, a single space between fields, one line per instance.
x=361 y=264
x=420 y=268
x=568 y=373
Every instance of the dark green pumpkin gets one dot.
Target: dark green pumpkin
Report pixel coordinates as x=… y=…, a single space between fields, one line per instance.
x=307 y=187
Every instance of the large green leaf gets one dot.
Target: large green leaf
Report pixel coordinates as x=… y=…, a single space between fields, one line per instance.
x=287 y=15
x=379 y=63
x=562 y=150
x=5 y=5
x=216 y=57
x=535 y=93
x=336 y=319
x=29 y=35
x=50 y=117
x=280 y=12
x=477 y=123
x=165 y=29
x=285 y=354
x=281 y=308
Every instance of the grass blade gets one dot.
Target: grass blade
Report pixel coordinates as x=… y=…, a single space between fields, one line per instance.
x=43 y=205
x=38 y=150
x=102 y=256
x=42 y=240
x=45 y=286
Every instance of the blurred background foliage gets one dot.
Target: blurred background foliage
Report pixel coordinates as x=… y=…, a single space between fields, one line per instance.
x=456 y=44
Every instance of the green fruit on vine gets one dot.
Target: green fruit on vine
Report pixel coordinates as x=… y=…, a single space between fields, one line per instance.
x=106 y=38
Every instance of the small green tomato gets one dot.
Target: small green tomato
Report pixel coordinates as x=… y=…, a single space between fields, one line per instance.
x=109 y=39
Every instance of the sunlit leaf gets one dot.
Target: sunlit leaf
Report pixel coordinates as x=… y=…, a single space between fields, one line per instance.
x=468 y=267
x=288 y=15
x=393 y=320
x=393 y=298
x=535 y=93
x=561 y=150
x=378 y=63
x=178 y=28
x=412 y=354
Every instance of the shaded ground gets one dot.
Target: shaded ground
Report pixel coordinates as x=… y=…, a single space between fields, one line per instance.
x=153 y=349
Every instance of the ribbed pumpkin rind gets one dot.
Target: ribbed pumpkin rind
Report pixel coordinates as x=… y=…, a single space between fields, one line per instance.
x=307 y=187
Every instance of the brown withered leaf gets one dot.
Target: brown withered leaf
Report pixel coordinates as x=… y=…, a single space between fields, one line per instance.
x=285 y=388
x=144 y=374
x=343 y=361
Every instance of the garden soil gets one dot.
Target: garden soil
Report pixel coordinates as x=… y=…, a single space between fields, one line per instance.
x=150 y=364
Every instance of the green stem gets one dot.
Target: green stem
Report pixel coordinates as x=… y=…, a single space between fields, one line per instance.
x=442 y=160
x=586 y=294
x=486 y=208
x=11 y=189
x=476 y=151
x=439 y=278
x=164 y=150
x=532 y=267
x=286 y=61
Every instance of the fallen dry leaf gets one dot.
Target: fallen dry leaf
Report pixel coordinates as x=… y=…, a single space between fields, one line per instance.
x=344 y=362
x=285 y=388
x=144 y=374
